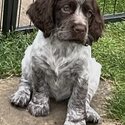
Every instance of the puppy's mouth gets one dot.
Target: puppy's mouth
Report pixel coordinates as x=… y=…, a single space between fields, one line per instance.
x=71 y=37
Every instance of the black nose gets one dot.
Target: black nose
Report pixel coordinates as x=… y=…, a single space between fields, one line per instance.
x=79 y=28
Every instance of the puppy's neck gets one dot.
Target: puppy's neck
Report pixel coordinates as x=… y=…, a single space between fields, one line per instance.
x=66 y=48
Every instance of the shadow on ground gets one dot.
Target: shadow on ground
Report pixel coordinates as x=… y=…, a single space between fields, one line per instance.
x=10 y=115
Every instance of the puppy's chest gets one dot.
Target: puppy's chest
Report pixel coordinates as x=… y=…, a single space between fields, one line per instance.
x=61 y=57
x=62 y=65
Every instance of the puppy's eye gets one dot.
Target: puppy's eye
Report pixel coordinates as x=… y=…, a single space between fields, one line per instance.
x=66 y=9
x=89 y=13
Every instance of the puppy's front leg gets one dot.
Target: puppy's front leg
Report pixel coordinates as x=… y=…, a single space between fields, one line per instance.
x=94 y=79
x=76 y=113
x=39 y=104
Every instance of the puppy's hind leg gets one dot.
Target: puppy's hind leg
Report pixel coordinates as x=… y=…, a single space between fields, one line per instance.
x=94 y=78
x=22 y=96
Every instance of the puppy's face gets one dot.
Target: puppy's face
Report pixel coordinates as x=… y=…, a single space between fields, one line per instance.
x=69 y=20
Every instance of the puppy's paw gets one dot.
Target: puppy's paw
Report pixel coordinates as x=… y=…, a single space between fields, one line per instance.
x=21 y=98
x=93 y=116
x=38 y=109
x=82 y=122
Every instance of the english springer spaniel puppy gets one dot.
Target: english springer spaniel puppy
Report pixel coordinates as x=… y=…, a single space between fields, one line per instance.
x=59 y=64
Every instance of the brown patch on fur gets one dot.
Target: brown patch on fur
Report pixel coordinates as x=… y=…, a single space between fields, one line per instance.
x=96 y=25
x=41 y=14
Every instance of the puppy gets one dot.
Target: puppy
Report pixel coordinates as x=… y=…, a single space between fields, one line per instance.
x=59 y=64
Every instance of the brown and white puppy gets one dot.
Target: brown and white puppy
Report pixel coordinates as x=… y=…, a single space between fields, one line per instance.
x=59 y=64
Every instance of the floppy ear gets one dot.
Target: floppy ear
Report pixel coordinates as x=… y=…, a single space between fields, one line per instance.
x=96 y=25
x=41 y=14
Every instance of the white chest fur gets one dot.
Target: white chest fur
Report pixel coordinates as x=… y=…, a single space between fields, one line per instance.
x=62 y=63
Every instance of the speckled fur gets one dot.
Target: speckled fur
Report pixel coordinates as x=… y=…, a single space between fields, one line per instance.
x=61 y=70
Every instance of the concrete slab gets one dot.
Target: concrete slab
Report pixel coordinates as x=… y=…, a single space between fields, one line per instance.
x=10 y=115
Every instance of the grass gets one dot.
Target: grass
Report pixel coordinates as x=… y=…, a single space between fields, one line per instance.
x=12 y=49
x=109 y=51
x=109 y=6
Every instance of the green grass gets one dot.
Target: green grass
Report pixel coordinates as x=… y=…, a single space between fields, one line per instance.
x=109 y=6
x=109 y=51
x=11 y=52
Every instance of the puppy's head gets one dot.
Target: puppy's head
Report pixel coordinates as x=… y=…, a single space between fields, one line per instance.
x=68 y=20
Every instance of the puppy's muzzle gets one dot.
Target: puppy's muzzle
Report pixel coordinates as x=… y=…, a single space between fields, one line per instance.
x=79 y=30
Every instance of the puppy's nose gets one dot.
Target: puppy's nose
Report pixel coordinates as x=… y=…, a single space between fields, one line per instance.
x=79 y=28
